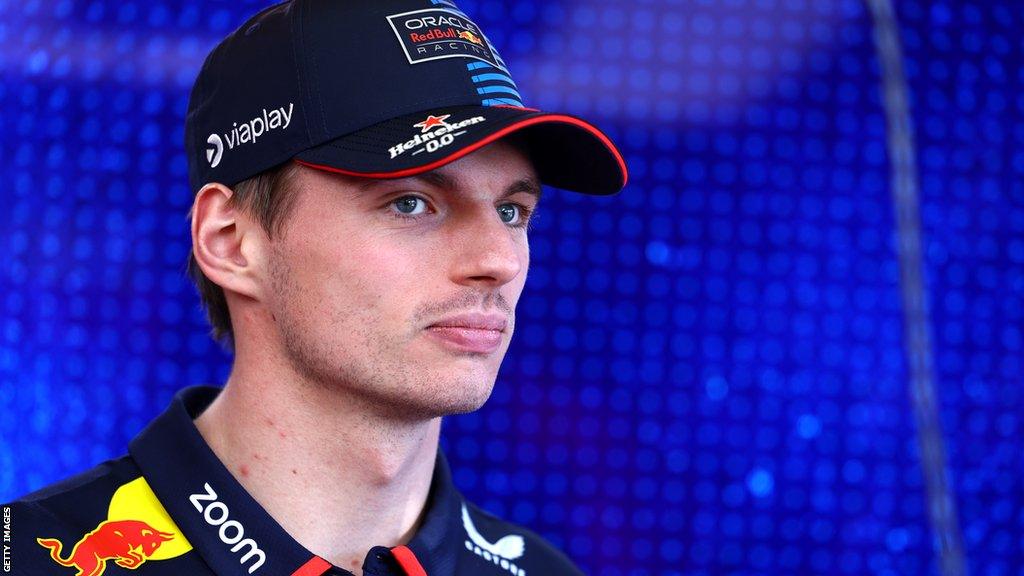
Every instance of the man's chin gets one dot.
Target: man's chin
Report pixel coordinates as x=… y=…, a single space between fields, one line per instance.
x=443 y=399
x=464 y=408
x=468 y=400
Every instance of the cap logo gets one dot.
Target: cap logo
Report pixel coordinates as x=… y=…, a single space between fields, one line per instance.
x=431 y=122
x=213 y=154
x=435 y=133
x=437 y=33
x=248 y=132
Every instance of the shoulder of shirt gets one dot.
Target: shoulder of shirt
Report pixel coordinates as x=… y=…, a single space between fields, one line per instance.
x=64 y=510
x=530 y=552
x=72 y=494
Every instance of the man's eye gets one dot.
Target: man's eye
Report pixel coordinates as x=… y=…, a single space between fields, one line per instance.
x=407 y=205
x=509 y=213
x=514 y=214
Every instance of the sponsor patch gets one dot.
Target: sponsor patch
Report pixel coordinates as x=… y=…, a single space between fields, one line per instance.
x=502 y=553
x=433 y=133
x=137 y=530
x=231 y=532
x=437 y=33
x=248 y=132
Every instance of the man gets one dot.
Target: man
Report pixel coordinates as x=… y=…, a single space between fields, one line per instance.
x=365 y=174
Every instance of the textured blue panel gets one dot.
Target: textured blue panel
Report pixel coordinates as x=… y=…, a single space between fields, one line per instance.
x=965 y=68
x=708 y=375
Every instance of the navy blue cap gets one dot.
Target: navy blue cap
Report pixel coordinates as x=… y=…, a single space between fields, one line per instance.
x=379 y=89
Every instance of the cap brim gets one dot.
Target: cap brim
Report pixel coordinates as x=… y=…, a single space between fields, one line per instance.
x=567 y=152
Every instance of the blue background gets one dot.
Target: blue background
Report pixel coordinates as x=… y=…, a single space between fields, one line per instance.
x=709 y=374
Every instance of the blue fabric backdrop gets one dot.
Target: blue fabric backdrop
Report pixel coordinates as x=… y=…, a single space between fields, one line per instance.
x=711 y=371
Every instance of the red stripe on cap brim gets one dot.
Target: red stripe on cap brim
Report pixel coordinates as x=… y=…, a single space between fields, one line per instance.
x=547 y=118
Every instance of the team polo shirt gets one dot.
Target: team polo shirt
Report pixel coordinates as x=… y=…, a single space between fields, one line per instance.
x=170 y=507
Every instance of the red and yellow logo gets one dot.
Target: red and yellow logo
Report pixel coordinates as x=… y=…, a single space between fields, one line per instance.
x=467 y=35
x=137 y=529
x=128 y=543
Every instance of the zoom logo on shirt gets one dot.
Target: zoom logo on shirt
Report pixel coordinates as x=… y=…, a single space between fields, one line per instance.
x=231 y=532
x=248 y=132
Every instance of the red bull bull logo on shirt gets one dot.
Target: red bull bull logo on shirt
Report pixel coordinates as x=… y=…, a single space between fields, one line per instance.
x=137 y=530
x=128 y=543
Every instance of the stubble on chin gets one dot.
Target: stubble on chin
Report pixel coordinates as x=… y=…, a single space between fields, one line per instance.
x=388 y=386
x=376 y=370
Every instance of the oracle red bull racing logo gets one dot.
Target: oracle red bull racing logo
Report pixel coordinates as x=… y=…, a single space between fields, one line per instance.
x=137 y=530
x=437 y=33
x=128 y=543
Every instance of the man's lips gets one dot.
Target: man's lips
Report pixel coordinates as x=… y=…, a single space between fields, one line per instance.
x=474 y=332
x=475 y=321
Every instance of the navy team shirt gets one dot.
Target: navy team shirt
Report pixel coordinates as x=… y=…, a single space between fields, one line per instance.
x=170 y=507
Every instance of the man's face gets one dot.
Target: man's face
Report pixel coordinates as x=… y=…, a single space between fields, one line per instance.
x=364 y=270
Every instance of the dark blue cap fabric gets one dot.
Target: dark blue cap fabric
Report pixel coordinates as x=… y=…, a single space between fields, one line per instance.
x=381 y=89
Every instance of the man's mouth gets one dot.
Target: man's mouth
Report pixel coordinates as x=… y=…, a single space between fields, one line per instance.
x=473 y=332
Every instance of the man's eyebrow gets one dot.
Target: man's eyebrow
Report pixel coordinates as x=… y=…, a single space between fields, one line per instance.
x=527 y=185
x=433 y=178
x=437 y=179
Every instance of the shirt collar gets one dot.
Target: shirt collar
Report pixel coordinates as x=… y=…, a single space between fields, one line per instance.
x=232 y=532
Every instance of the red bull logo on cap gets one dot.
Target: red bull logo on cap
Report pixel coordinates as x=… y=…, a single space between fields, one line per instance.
x=467 y=35
x=137 y=529
x=436 y=33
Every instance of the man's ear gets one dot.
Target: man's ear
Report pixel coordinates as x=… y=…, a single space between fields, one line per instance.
x=226 y=243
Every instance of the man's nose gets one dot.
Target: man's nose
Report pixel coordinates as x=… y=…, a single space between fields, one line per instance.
x=488 y=250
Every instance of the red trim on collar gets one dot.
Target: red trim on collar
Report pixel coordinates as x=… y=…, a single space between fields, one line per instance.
x=315 y=567
x=407 y=560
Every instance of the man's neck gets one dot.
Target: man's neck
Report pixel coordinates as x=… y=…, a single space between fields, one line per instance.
x=337 y=477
